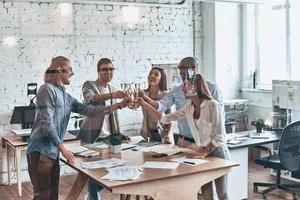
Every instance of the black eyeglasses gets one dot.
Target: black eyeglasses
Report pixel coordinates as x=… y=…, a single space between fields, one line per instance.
x=106 y=69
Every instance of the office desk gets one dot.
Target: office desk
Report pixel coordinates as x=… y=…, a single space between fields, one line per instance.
x=238 y=177
x=17 y=145
x=161 y=184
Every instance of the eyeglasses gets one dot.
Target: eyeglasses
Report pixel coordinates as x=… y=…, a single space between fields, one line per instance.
x=106 y=69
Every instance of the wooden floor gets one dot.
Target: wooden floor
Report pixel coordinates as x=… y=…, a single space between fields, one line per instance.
x=256 y=173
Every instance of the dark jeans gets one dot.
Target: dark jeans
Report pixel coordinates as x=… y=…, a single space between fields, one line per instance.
x=44 y=176
x=94 y=190
x=154 y=136
x=176 y=136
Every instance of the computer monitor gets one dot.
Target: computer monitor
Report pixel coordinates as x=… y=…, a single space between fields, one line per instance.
x=24 y=115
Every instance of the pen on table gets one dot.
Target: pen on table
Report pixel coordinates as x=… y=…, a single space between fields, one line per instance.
x=188 y=162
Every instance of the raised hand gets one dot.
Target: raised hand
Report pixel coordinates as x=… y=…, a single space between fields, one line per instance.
x=118 y=94
x=142 y=102
x=141 y=93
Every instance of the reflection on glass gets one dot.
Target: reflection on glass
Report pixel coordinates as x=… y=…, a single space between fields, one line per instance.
x=132 y=93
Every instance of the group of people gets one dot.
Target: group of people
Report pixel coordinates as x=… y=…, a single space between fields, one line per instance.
x=199 y=112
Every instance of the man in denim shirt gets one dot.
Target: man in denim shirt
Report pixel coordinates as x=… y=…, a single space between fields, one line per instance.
x=54 y=106
x=176 y=96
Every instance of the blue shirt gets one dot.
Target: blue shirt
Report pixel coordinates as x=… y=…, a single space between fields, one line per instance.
x=176 y=96
x=53 y=108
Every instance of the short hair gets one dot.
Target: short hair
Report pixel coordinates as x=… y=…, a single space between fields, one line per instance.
x=103 y=61
x=163 y=78
x=188 y=62
x=201 y=87
x=51 y=74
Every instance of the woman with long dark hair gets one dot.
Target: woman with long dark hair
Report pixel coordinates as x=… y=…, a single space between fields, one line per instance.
x=157 y=89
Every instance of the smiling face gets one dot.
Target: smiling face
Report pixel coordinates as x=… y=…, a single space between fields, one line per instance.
x=154 y=77
x=105 y=72
x=66 y=73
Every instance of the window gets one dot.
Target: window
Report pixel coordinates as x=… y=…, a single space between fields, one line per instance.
x=272 y=42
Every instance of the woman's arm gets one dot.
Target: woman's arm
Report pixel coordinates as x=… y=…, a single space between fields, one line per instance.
x=150 y=101
x=157 y=115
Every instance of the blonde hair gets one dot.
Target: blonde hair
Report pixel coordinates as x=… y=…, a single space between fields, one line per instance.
x=52 y=73
x=201 y=87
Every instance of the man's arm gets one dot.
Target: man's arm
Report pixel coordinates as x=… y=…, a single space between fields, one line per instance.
x=90 y=96
x=167 y=101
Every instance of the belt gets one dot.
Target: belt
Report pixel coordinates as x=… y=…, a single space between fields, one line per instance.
x=191 y=140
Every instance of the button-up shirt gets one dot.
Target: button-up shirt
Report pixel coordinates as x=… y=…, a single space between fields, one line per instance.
x=209 y=128
x=53 y=108
x=176 y=96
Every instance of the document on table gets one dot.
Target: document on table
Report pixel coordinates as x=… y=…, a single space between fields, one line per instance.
x=164 y=149
x=160 y=165
x=123 y=173
x=75 y=148
x=107 y=163
x=81 y=150
x=189 y=161
x=100 y=145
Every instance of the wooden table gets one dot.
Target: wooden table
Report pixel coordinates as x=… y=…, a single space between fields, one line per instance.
x=161 y=184
x=17 y=145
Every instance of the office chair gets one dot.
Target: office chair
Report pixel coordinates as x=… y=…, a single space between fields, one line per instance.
x=287 y=158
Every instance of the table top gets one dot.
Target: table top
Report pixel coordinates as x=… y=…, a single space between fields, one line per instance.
x=137 y=158
x=17 y=141
x=271 y=138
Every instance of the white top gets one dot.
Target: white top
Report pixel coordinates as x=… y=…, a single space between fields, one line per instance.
x=209 y=128
x=106 y=124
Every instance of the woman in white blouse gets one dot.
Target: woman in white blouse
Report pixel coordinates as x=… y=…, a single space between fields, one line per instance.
x=206 y=120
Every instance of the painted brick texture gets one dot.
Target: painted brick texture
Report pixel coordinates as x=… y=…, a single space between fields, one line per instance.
x=85 y=33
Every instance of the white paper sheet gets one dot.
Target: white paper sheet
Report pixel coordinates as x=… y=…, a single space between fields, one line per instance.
x=160 y=165
x=107 y=163
x=123 y=173
x=97 y=145
x=75 y=148
x=189 y=161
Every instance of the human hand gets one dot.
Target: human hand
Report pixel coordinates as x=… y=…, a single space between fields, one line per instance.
x=68 y=155
x=197 y=154
x=118 y=94
x=141 y=101
x=166 y=140
x=141 y=93
x=125 y=137
x=125 y=102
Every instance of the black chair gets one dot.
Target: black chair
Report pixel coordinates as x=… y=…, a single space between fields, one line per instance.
x=287 y=158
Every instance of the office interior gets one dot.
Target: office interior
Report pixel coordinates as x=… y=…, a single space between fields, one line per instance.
x=249 y=48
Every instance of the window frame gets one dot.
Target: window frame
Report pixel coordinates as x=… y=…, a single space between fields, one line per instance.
x=288 y=69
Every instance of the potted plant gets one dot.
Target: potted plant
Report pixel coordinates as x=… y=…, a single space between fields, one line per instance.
x=259 y=124
x=115 y=139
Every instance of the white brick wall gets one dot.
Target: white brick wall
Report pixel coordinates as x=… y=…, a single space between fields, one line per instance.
x=85 y=33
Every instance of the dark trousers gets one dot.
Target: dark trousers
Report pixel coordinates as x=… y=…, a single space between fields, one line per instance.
x=154 y=136
x=44 y=176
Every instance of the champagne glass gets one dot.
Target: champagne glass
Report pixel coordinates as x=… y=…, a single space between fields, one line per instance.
x=189 y=82
x=137 y=87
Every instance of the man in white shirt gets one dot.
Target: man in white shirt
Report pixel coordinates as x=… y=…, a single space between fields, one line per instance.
x=100 y=92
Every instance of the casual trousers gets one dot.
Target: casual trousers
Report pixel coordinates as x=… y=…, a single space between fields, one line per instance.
x=221 y=183
x=94 y=190
x=44 y=176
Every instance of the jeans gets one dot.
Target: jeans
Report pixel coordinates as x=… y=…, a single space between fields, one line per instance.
x=221 y=182
x=154 y=136
x=94 y=190
x=44 y=176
